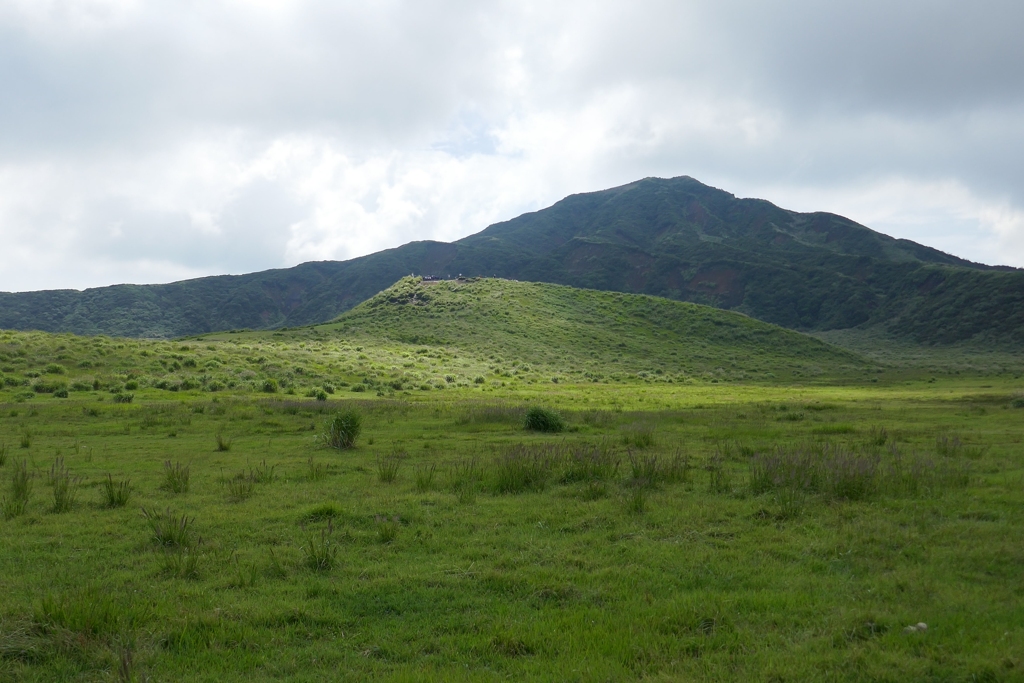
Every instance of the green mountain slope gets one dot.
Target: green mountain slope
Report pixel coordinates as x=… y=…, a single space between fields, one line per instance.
x=585 y=334
x=674 y=238
x=475 y=335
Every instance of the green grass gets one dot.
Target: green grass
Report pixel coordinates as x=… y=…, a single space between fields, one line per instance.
x=566 y=556
x=534 y=332
x=745 y=529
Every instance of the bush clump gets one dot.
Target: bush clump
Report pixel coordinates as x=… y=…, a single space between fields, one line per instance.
x=342 y=429
x=543 y=420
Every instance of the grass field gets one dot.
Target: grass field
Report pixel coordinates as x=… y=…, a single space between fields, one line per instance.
x=188 y=522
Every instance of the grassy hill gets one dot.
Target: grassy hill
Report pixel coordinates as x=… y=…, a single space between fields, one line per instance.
x=675 y=238
x=423 y=336
x=529 y=327
x=695 y=518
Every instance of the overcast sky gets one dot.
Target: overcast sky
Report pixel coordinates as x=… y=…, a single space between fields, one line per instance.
x=156 y=140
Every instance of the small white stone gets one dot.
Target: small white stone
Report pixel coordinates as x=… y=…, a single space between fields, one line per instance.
x=921 y=626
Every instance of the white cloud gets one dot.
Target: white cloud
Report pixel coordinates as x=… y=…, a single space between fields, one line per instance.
x=151 y=141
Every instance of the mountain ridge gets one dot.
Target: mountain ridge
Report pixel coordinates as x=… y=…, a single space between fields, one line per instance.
x=675 y=238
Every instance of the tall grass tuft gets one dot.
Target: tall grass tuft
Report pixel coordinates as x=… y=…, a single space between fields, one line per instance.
x=223 y=443
x=170 y=530
x=921 y=475
x=116 y=494
x=263 y=473
x=65 y=486
x=21 y=489
x=342 y=430
x=523 y=468
x=387 y=529
x=651 y=470
x=319 y=550
x=463 y=479
x=636 y=499
x=183 y=563
x=643 y=469
x=315 y=471
x=425 y=477
x=638 y=435
x=951 y=446
x=3 y=454
x=589 y=463
x=387 y=467
x=241 y=486
x=176 y=477
x=878 y=436
x=543 y=420
x=719 y=479
x=842 y=474
x=246 y=575
x=89 y=612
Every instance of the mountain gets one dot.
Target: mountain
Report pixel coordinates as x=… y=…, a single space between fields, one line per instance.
x=675 y=238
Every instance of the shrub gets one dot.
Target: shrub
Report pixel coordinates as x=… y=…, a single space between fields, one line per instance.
x=543 y=420
x=121 y=397
x=116 y=493
x=61 y=393
x=269 y=386
x=45 y=387
x=321 y=395
x=343 y=429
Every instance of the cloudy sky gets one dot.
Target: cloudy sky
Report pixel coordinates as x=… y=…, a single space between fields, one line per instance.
x=156 y=140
